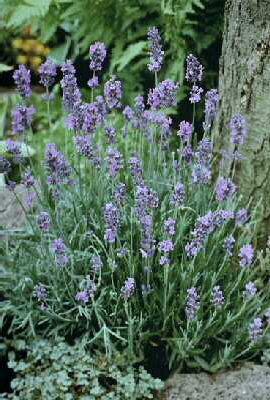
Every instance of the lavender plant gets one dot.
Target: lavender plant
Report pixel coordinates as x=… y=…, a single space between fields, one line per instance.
x=133 y=243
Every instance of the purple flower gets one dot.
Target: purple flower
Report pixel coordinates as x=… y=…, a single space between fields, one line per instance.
x=120 y=193
x=195 y=94
x=29 y=179
x=193 y=304
x=128 y=289
x=57 y=165
x=256 y=329
x=48 y=73
x=97 y=53
x=148 y=243
x=169 y=226
x=22 y=118
x=40 y=292
x=159 y=119
x=246 y=255
x=156 y=51
x=212 y=99
x=60 y=251
x=93 y=83
x=128 y=113
x=201 y=174
x=164 y=95
x=218 y=297
x=136 y=168
x=185 y=131
x=229 y=245
x=146 y=198
x=84 y=146
x=22 y=79
x=139 y=104
x=239 y=131
x=44 y=221
x=113 y=93
x=111 y=134
x=194 y=69
x=82 y=296
x=14 y=148
x=225 y=189
x=188 y=154
x=178 y=196
x=250 y=290
x=92 y=117
x=71 y=93
x=242 y=216
x=123 y=252
x=166 y=246
x=205 y=151
x=5 y=165
x=59 y=246
x=204 y=227
x=115 y=161
x=11 y=185
x=112 y=218
x=96 y=263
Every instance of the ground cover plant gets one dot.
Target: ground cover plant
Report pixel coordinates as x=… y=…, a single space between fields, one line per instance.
x=61 y=371
x=131 y=245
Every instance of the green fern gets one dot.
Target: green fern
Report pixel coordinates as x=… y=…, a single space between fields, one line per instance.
x=122 y=25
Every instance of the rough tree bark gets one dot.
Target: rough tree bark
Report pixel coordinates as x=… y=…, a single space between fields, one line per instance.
x=245 y=87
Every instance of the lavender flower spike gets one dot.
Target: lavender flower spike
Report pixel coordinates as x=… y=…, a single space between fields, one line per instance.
x=185 y=131
x=156 y=50
x=44 y=221
x=194 y=69
x=22 y=118
x=164 y=95
x=218 y=297
x=225 y=189
x=212 y=99
x=239 y=129
x=195 y=94
x=193 y=304
x=250 y=290
x=48 y=73
x=97 y=54
x=22 y=79
x=113 y=92
x=128 y=289
x=246 y=255
x=229 y=245
x=256 y=329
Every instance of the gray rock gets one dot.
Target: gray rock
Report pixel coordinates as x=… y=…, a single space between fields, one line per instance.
x=12 y=215
x=250 y=382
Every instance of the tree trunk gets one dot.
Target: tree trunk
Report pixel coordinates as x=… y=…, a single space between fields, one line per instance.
x=245 y=88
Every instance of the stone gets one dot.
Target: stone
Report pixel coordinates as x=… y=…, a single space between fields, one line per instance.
x=250 y=382
x=12 y=215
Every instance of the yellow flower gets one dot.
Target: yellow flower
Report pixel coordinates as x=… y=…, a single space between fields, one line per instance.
x=22 y=59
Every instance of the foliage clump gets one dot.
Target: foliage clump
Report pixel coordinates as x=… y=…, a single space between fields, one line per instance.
x=58 y=371
x=131 y=241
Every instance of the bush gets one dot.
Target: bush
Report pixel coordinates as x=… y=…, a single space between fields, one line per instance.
x=123 y=25
x=131 y=244
x=56 y=370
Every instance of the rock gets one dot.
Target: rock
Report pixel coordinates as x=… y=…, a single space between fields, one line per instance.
x=12 y=215
x=250 y=382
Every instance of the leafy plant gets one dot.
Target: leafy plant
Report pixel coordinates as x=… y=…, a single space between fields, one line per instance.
x=134 y=245
x=122 y=24
x=56 y=370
